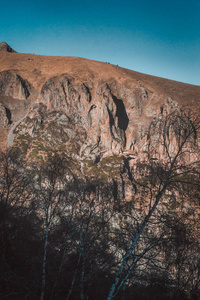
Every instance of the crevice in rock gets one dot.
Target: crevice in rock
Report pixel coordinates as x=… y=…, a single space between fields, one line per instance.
x=97 y=159
x=92 y=107
x=8 y=115
x=64 y=92
x=24 y=84
x=121 y=114
x=87 y=92
x=111 y=121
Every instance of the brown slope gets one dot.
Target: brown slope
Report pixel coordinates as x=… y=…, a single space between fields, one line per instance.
x=27 y=74
x=39 y=68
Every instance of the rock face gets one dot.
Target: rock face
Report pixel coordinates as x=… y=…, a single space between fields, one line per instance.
x=94 y=120
x=104 y=119
x=4 y=47
x=4 y=117
x=100 y=118
x=112 y=128
x=12 y=84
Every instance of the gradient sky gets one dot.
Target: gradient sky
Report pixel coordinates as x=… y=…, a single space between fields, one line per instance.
x=159 y=38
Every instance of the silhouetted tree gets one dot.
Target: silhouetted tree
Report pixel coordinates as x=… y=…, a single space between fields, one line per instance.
x=17 y=216
x=160 y=177
x=48 y=191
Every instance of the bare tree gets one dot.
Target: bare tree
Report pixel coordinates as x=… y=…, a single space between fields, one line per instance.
x=178 y=145
x=48 y=186
x=15 y=209
x=89 y=216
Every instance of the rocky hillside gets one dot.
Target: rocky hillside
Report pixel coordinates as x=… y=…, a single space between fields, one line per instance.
x=100 y=191
x=95 y=113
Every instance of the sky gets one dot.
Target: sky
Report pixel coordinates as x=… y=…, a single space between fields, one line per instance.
x=160 y=38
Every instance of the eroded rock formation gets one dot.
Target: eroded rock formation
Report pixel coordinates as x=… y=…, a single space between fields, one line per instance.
x=12 y=84
x=104 y=119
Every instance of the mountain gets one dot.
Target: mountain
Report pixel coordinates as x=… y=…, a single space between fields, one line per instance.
x=96 y=113
x=89 y=109
x=100 y=181
x=101 y=117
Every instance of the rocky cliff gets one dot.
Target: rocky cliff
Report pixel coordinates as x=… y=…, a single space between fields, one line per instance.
x=98 y=115
x=123 y=189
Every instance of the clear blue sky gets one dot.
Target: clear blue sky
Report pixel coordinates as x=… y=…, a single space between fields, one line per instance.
x=157 y=37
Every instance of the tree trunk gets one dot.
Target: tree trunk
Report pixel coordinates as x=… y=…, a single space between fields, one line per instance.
x=44 y=262
x=138 y=235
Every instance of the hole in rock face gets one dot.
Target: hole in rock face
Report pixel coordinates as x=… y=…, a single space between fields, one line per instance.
x=123 y=119
x=92 y=107
x=110 y=118
x=97 y=159
x=8 y=115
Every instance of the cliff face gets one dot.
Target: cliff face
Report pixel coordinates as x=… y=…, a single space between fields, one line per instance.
x=96 y=114
x=126 y=179
x=12 y=84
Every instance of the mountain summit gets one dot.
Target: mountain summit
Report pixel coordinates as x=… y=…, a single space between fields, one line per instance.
x=4 y=47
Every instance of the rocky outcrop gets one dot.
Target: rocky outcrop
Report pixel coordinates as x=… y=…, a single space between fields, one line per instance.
x=91 y=122
x=102 y=115
x=65 y=93
x=5 y=116
x=103 y=125
x=4 y=47
x=12 y=84
x=108 y=122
